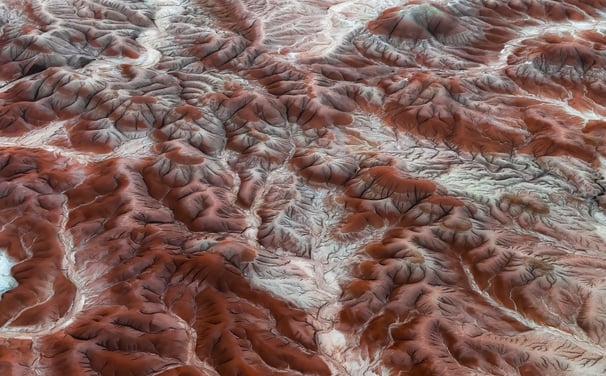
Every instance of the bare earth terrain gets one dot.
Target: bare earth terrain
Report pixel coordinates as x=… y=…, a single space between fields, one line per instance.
x=301 y=187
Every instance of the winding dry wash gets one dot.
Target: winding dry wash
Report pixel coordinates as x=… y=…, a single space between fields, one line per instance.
x=301 y=187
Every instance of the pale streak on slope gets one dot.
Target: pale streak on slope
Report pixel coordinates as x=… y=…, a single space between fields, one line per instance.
x=531 y=32
x=600 y=214
x=153 y=39
x=312 y=284
x=70 y=270
x=542 y=331
x=38 y=139
x=192 y=357
x=302 y=280
x=7 y=282
x=319 y=29
x=571 y=28
x=339 y=349
x=150 y=39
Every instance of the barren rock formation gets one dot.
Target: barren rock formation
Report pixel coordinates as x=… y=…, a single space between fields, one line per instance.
x=247 y=187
